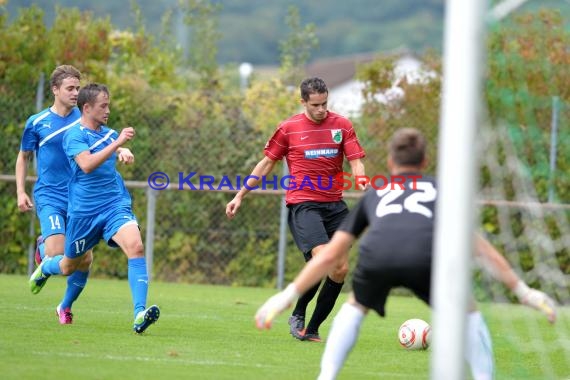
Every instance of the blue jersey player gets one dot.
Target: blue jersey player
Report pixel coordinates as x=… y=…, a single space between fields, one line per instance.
x=99 y=203
x=43 y=134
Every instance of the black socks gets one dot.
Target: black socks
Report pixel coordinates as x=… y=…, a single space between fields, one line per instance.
x=325 y=303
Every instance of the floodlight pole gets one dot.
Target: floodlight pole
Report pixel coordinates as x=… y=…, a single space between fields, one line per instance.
x=505 y=8
x=283 y=215
x=32 y=228
x=451 y=279
x=245 y=70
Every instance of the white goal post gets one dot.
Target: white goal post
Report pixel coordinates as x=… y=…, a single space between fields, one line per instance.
x=457 y=177
x=464 y=61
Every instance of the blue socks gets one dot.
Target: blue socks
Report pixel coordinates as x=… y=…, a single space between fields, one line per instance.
x=75 y=284
x=137 y=275
x=138 y=282
x=51 y=265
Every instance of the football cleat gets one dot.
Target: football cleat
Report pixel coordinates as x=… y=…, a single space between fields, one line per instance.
x=146 y=318
x=38 y=279
x=65 y=316
x=297 y=325
x=311 y=337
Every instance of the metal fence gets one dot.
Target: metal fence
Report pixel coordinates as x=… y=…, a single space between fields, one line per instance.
x=187 y=235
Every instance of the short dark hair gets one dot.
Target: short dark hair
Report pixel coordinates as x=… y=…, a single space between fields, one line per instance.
x=89 y=93
x=62 y=72
x=313 y=86
x=407 y=147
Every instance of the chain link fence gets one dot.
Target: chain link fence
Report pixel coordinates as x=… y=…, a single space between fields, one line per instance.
x=187 y=235
x=191 y=133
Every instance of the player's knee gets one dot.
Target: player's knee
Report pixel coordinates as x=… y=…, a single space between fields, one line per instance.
x=134 y=249
x=339 y=273
x=343 y=272
x=67 y=267
x=86 y=262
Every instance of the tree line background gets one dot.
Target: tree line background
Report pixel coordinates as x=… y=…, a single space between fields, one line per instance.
x=192 y=115
x=249 y=28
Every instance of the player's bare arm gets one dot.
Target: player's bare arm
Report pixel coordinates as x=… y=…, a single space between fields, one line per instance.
x=88 y=161
x=263 y=168
x=495 y=263
x=24 y=201
x=501 y=270
x=357 y=168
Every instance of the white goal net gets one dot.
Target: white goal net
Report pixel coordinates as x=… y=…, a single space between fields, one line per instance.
x=534 y=236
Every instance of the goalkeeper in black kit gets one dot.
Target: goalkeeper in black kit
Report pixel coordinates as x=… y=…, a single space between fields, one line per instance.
x=396 y=251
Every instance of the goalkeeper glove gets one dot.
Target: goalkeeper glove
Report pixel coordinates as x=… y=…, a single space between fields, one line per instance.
x=275 y=306
x=536 y=299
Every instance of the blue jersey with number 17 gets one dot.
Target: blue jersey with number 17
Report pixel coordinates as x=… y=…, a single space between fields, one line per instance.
x=103 y=188
x=43 y=134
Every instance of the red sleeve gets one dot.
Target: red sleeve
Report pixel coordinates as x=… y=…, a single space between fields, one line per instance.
x=277 y=146
x=351 y=146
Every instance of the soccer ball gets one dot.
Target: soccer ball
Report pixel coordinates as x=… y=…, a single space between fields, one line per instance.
x=415 y=334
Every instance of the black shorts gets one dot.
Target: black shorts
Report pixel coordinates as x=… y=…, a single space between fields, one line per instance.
x=371 y=287
x=314 y=223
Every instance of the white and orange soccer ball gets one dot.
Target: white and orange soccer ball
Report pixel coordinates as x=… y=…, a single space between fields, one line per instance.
x=415 y=334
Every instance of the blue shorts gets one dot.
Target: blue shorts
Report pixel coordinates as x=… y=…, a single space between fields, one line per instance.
x=84 y=233
x=52 y=220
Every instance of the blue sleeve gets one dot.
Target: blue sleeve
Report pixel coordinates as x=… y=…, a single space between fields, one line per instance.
x=30 y=138
x=74 y=143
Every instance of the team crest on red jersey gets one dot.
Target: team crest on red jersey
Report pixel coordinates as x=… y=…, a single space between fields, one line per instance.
x=336 y=135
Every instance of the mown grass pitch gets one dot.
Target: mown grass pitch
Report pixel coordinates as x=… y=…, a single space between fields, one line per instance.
x=207 y=332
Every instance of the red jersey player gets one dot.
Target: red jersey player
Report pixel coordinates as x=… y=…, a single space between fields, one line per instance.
x=314 y=143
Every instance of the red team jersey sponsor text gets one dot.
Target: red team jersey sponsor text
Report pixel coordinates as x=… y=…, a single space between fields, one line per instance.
x=316 y=151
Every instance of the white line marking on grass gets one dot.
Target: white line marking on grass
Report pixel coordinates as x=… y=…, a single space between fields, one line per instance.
x=178 y=359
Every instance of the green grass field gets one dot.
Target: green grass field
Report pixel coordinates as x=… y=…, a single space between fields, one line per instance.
x=207 y=332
